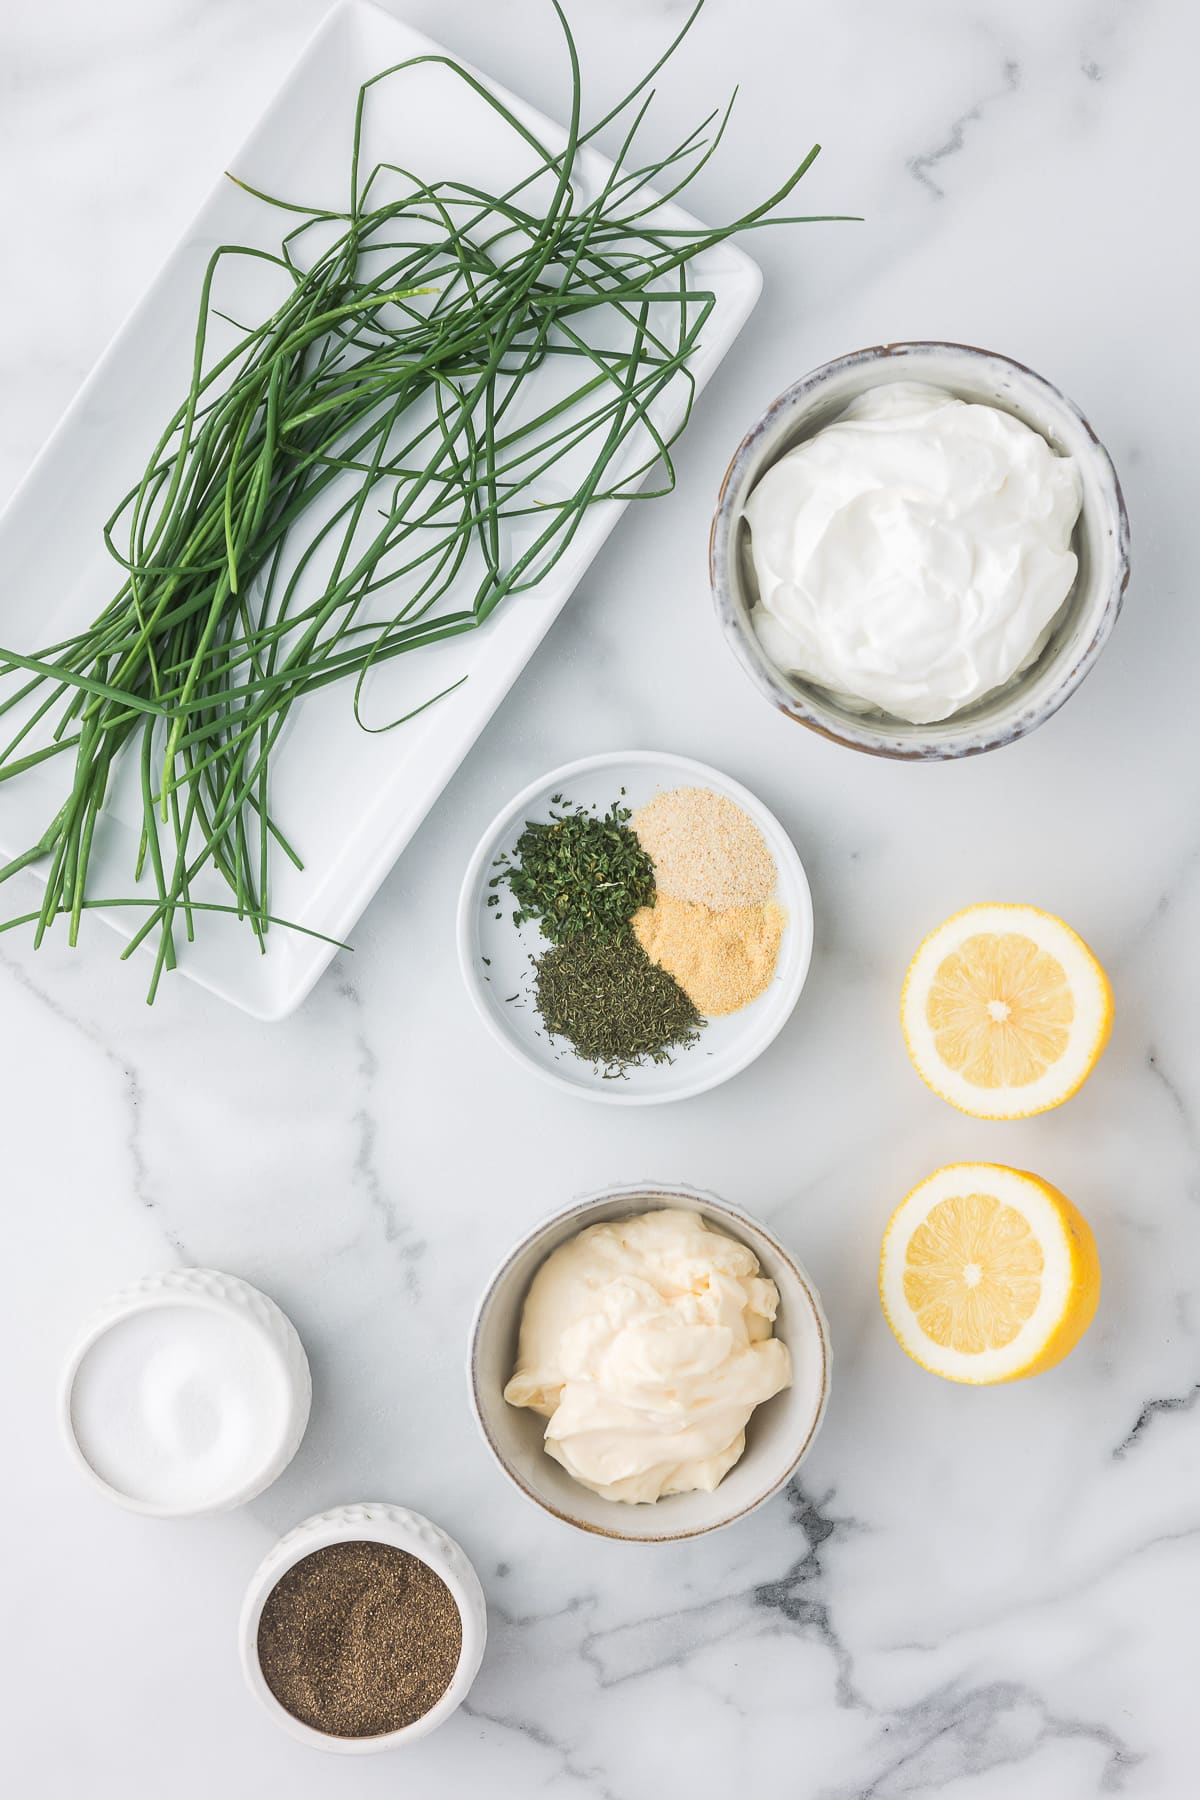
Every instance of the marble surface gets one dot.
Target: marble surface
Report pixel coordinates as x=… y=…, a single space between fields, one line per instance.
x=966 y=1594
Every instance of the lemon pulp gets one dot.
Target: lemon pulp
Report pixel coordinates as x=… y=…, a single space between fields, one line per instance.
x=972 y=1273
x=1005 y=1011
x=1000 y=1010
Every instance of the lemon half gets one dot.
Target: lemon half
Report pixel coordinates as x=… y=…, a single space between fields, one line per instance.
x=1005 y=1011
x=988 y=1274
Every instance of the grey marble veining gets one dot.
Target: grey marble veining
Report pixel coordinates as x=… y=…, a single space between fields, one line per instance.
x=966 y=1595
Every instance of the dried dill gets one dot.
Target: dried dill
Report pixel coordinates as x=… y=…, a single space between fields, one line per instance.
x=579 y=872
x=611 y=1003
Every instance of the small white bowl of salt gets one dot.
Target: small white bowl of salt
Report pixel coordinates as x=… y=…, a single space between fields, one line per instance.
x=185 y=1394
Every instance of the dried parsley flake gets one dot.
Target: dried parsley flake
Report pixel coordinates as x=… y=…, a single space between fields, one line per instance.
x=580 y=872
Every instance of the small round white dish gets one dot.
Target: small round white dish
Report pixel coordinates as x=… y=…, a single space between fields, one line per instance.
x=160 y=1449
x=495 y=956
x=778 y=1436
x=380 y=1523
x=1079 y=633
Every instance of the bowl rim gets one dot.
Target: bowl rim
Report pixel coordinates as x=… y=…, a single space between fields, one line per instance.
x=379 y=1522
x=879 y=740
x=800 y=919
x=666 y=1192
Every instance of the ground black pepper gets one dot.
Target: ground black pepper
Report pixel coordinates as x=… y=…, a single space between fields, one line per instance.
x=358 y=1639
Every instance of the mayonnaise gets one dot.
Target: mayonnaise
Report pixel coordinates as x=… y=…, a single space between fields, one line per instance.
x=913 y=555
x=646 y=1343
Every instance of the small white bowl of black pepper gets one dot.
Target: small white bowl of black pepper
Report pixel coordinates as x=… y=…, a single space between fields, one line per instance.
x=363 y=1629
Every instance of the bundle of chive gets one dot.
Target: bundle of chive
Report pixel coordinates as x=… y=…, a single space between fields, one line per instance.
x=582 y=875
x=364 y=439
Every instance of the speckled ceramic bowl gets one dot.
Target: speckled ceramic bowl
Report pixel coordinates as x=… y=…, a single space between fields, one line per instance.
x=778 y=1436
x=1101 y=544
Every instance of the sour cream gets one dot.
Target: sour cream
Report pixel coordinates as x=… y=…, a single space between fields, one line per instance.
x=646 y=1344
x=913 y=555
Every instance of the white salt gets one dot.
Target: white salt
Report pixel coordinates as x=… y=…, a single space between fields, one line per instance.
x=179 y=1405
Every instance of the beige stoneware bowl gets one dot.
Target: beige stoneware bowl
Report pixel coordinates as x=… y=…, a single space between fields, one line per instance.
x=778 y=1436
x=1101 y=543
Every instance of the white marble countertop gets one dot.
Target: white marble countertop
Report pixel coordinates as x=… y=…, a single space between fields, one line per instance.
x=967 y=1594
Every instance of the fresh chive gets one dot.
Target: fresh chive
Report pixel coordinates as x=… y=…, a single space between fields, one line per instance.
x=397 y=362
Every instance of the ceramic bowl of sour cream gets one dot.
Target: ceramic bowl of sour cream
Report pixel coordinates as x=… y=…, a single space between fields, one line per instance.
x=920 y=550
x=636 y=1343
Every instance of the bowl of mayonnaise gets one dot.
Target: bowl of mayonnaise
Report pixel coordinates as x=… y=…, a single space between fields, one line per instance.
x=920 y=550
x=649 y=1364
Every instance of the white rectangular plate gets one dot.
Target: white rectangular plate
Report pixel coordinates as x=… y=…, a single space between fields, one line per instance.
x=347 y=800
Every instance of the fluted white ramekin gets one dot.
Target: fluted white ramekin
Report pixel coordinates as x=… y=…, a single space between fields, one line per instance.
x=374 y=1522
x=216 y=1292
